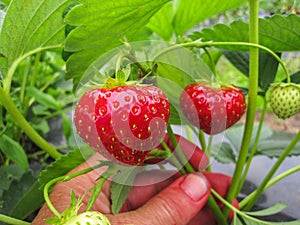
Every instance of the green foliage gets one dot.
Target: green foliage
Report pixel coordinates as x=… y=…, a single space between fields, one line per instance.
x=271 y=144
x=32 y=73
x=14 y=151
x=98 y=30
x=121 y=186
x=277 y=33
x=268 y=66
x=17 y=191
x=39 y=25
x=191 y=12
x=161 y=22
x=63 y=165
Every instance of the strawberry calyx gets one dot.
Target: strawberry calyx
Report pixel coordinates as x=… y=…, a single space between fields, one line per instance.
x=69 y=213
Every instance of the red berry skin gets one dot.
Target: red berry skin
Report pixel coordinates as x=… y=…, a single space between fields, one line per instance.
x=123 y=123
x=212 y=110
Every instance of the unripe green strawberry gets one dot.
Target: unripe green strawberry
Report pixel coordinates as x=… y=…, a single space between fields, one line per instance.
x=285 y=99
x=91 y=218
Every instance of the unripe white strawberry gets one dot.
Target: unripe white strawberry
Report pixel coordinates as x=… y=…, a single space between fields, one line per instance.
x=285 y=99
x=90 y=217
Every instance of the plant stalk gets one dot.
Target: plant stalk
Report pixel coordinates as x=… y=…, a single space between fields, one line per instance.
x=255 y=144
x=278 y=178
x=9 y=220
x=61 y=178
x=251 y=110
x=273 y=170
x=25 y=126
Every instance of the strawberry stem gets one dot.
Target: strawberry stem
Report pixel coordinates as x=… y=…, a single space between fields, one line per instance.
x=10 y=220
x=275 y=180
x=212 y=64
x=25 y=126
x=208 y=151
x=62 y=178
x=255 y=144
x=200 y=44
x=202 y=140
x=273 y=170
x=211 y=201
x=96 y=191
x=172 y=158
x=179 y=151
x=252 y=97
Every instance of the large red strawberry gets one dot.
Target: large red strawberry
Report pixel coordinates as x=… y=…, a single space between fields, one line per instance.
x=212 y=109
x=123 y=122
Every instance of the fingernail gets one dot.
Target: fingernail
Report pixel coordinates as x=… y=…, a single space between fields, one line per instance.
x=195 y=186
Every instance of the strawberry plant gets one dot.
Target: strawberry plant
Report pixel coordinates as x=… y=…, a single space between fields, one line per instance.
x=143 y=84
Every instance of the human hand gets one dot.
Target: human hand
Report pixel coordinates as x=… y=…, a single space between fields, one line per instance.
x=176 y=199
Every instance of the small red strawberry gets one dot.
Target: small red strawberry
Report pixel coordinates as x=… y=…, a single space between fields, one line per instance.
x=212 y=109
x=123 y=122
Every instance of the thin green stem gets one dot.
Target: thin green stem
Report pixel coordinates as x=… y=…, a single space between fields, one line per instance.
x=8 y=78
x=96 y=191
x=9 y=220
x=208 y=151
x=273 y=170
x=275 y=180
x=202 y=140
x=200 y=44
x=211 y=202
x=25 y=126
x=237 y=211
x=173 y=159
x=189 y=133
x=23 y=86
x=251 y=110
x=35 y=68
x=61 y=178
x=255 y=144
x=179 y=151
x=212 y=63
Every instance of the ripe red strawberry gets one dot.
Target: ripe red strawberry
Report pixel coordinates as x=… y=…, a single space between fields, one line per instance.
x=212 y=109
x=123 y=122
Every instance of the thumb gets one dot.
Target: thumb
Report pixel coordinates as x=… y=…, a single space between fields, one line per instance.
x=176 y=204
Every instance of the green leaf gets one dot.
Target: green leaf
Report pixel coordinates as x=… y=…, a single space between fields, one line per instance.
x=254 y=221
x=161 y=22
x=224 y=153
x=268 y=66
x=215 y=56
x=17 y=189
x=63 y=165
x=278 y=207
x=43 y=98
x=175 y=70
x=36 y=23
x=14 y=151
x=67 y=126
x=191 y=12
x=29 y=202
x=276 y=144
x=121 y=186
x=295 y=78
x=279 y=33
x=101 y=25
x=235 y=134
x=40 y=125
x=8 y=174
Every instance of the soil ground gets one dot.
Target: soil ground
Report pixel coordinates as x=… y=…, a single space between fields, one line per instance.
x=290 y=125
